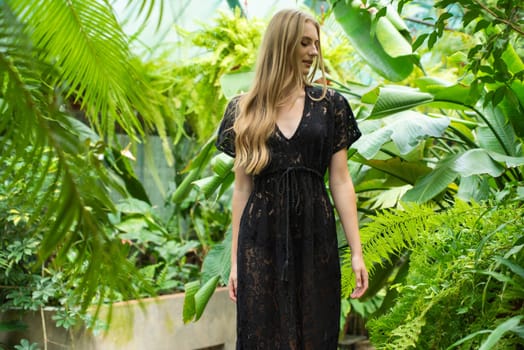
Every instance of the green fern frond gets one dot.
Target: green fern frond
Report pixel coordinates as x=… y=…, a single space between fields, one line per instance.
x=465 y=275
x=390 y=232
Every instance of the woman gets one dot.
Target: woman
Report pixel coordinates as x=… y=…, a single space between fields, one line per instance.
x=285 y=134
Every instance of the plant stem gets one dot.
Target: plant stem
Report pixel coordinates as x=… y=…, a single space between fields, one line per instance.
x=428 y=24
x=42 y=316
x=44 y=329
x=503 y=20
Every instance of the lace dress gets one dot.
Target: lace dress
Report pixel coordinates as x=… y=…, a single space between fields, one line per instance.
x=288 y=294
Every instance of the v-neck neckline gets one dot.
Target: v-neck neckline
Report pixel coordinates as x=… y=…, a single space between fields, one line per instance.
x=299 y=122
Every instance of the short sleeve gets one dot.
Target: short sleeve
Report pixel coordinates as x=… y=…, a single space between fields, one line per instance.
x=346 y=128
x=226 y=135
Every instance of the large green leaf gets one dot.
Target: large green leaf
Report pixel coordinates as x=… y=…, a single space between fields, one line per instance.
x=474 y=188
x=197 y=297
x=235 y=83
x=498 y=135
x=513 y=106
x=430 y=185
x=407 y=172
x=370 y=145
x=472 y=162
x=476 y=162
x=389 y=198
x=406 y=129
x=195 y=169
x=389 y=100
x=357 y=23
x=445 y=94
x=506 y=326
x=513 y=102
x=508 y=161
x=218 y=260
x=391 y=40
x=189 y=309
x=203 y=295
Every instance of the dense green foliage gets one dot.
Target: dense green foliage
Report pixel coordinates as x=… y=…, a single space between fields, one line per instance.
x=466 y=276
x=55 y=70
x=445 y=272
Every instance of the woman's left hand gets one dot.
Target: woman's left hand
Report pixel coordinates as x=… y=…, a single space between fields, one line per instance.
x=361 y=276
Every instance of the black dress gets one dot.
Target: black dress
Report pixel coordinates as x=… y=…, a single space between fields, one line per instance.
x=288 y=294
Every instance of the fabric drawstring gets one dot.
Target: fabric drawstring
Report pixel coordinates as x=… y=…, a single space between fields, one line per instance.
x=288 y=187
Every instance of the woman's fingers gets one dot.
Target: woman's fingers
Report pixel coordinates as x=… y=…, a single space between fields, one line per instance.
x=233 y=289
x=361 y=277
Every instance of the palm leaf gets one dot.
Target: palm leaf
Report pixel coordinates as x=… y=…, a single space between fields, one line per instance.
x=357 y=24
x=91 y=53
x=63 y=165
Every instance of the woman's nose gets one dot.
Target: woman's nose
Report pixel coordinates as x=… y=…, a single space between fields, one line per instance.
x=313 y=51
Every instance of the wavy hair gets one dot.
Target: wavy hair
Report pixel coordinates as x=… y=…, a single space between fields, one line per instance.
x=277 y=75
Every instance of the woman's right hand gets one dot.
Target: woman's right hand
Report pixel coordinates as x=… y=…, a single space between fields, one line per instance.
x=232 y=285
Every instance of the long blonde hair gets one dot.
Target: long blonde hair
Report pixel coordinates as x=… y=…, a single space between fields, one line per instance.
x=277 y=75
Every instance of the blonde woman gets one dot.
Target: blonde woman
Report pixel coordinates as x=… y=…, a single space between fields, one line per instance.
x=285 y=134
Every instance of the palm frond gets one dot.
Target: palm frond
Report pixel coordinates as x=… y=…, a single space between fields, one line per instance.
x=68 y=184
x=89 y=49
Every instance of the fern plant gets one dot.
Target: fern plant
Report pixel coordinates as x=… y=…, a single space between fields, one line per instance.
x=466 y=277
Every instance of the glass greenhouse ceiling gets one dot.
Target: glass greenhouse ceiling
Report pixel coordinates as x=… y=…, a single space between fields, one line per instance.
x=187 y=14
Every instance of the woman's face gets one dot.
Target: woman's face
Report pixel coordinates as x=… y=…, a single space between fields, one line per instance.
x=307 y=49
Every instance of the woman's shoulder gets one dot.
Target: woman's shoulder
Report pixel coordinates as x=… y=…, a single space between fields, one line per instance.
x=232 y=106
x=235 y=99
x=316 y=92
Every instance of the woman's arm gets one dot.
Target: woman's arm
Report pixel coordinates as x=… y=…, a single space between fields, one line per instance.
x=241 y=191
x=343 y=192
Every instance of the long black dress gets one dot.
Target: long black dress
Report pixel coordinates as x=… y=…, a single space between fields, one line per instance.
x=288 y=294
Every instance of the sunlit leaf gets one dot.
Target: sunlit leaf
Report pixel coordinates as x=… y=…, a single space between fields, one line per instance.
x=391 y=100
x=476 y=162
x=393 y=43
x=356 y=22
x=406 y=129
x=430 y=185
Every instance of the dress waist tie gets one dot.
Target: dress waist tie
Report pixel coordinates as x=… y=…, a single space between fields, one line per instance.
x=288 y=187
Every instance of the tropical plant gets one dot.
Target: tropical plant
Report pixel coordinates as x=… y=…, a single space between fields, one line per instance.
x=228 y=44
x=465 y=276
x=59 y=61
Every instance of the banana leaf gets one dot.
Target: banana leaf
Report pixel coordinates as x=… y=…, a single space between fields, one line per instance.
x=473 y=162
x=406 y=129
x=234 y=83
x=389 y=100
x=357 y=23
